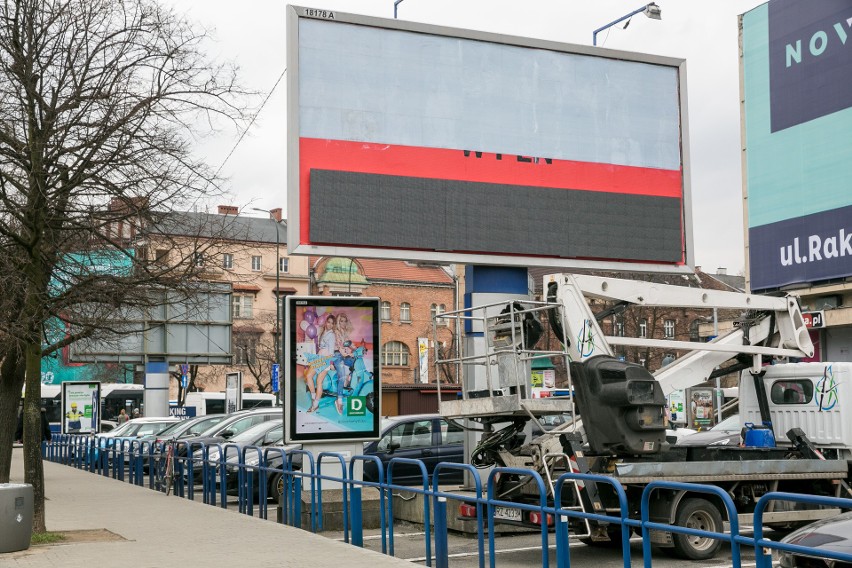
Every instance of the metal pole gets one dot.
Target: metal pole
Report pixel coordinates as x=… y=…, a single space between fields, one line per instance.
x=395 y=4
x=279 y=338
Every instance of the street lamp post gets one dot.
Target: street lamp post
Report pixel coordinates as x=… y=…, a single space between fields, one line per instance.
x=651 y=10
x=279 y=355
x=395 y=4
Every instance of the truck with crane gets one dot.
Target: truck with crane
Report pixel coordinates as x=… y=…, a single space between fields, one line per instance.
x=797 y=435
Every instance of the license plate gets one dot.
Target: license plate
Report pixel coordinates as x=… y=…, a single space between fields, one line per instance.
x=660 y=537
x=507 y=514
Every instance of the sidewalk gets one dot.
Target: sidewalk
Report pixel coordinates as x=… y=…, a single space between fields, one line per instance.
x=154 y=531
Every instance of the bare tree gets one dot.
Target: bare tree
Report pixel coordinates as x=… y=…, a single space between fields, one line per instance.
x=99 y=103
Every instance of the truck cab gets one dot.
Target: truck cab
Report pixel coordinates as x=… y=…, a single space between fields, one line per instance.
x=810 y=396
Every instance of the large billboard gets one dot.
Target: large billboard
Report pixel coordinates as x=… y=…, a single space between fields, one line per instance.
x=430 y=143
x=796 y=60
x=333 y=377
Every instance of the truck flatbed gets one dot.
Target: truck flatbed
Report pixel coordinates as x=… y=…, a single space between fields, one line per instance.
x=729 y=471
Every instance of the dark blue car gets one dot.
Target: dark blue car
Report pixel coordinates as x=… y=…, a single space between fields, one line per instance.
x=426 y=437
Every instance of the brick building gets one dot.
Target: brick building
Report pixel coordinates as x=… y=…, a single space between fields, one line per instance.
x=410 y=295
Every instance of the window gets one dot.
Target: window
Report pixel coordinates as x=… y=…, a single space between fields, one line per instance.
x=256 y=263
x=385 y=311
x=618 y=328
x=242 y=306
x=669 y=328
x=793 y=391
x=436 y=310
x=451 y=433
x=395 y=354
x=245 y=349
x=227 y=260
x=405 y=312
x=284 y=264
x=643 y=327
x=409 y=435
x=198 y=258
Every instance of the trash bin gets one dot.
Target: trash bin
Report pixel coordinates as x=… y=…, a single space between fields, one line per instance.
x=16 y=516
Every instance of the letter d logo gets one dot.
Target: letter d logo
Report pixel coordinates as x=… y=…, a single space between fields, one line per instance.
x=356 y=406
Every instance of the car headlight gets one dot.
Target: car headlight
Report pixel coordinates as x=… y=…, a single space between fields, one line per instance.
x=722 y=442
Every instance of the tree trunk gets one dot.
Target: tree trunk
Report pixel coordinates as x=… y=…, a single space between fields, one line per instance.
x=11 y=383
x=33 y=466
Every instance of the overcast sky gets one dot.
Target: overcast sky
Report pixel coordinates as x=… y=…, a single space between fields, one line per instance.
x=251 y=33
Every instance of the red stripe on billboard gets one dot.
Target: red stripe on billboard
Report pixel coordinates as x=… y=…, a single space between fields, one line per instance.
x=442 y=163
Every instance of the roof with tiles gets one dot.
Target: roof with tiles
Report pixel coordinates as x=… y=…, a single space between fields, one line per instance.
x=401 y=271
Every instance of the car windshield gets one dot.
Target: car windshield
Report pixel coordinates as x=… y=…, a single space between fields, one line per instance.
x=729 y=424
x=192 y=426
x=175 y=428
x=269 y=432
x=117 y=431
x=145 y=429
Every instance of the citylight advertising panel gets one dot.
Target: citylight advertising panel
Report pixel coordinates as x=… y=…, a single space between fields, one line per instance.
x=797 y=90
x=81 y=403
x=333 y=376
x=430 y=143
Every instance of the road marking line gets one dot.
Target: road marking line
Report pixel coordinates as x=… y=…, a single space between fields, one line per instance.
x=501 y=551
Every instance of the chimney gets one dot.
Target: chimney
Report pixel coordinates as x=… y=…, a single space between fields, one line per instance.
x=276 y=214
x=722 y=271
x=228 y=210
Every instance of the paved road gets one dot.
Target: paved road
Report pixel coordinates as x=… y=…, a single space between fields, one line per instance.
x=155 y=531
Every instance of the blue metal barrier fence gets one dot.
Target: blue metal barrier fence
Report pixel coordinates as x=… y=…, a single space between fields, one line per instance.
x=253 y=475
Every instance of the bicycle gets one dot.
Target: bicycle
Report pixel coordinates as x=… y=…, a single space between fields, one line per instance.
x=164 y=471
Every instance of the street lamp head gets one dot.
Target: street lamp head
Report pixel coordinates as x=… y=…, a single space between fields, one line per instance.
x=653 y=11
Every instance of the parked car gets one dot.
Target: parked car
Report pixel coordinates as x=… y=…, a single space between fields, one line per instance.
x=273 y=437
x=187 y=428
x=226 y=429
x=265 y=435
x=124 y=436
x=728 y=432
x=829 y=535
x=426 y=437
x=677 y=433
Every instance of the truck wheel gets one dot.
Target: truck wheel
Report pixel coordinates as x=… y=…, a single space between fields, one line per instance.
x=702 y=515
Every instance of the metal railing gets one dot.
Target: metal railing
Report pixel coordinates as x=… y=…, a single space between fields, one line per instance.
x=224 y=470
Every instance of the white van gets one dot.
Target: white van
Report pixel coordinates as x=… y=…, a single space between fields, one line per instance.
x=214 y=402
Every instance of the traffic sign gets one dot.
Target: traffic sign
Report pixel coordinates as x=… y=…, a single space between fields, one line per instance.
x=275 y=368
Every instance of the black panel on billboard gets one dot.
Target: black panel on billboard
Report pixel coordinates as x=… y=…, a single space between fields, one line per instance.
x=810 y=59
x=359 y=209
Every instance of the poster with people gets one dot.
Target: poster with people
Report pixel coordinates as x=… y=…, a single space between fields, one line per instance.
x=80 y=407
x=333 y=377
